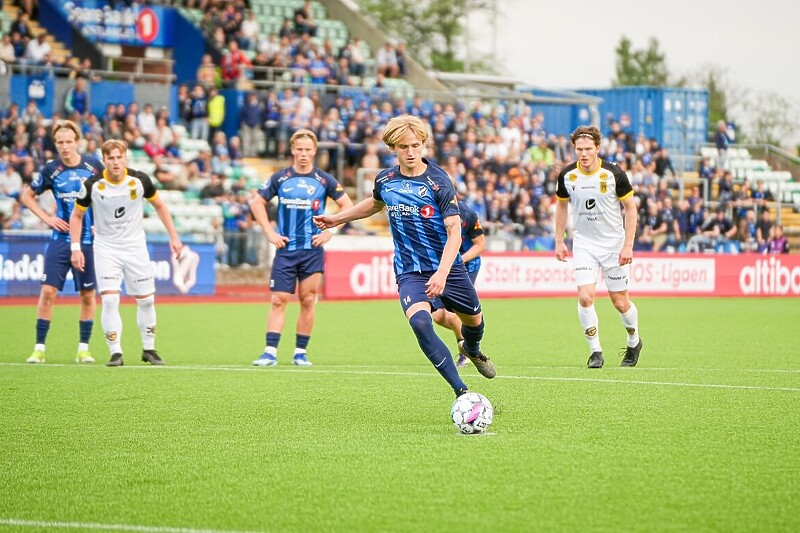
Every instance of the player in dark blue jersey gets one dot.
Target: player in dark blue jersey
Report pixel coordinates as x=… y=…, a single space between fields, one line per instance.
x=426 y=228
x=64 y=176
x=302 y=191
x=473 y=243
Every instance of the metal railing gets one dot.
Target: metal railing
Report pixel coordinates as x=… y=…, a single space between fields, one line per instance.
x=61 y=71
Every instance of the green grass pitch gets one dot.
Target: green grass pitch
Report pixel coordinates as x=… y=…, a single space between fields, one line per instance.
x=704 y=435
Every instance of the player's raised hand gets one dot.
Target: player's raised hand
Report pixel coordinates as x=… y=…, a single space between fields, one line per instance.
x=58 y=224
x=324 y=221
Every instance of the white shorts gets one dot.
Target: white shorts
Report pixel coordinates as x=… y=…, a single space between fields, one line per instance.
x=589 y=263
x=132 y=265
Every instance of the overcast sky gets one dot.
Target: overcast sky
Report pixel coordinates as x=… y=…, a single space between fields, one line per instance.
x=563 y=45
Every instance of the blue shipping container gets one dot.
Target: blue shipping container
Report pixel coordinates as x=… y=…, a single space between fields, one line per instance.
x=676 y=117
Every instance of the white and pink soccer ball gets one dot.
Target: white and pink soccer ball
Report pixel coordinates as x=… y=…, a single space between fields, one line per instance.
x=472 y=413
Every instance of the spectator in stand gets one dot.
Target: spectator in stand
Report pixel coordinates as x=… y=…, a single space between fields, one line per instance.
x=304 y=20
x=248 y=32
x=10 y=182
x=198 y=113
x=77 y=98
x=37 y=50
x=761 y=196
x=207 y=73
x=663 y=164
x=763 y=230
x=778 y=244
x=725 y=189
x=250 y=118
x=723 y=138
x=718 y=230
x=746 y=233
x=386 y=61
x=234 y=64
x=146 y=120
x=400 y=53
x=7 y=54
x=271 y=122
x=216 y=112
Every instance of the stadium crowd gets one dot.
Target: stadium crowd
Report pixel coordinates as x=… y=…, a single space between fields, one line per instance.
x=501 y=155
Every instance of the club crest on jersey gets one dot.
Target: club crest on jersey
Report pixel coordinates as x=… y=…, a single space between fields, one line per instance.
x=603 y=176
x=422 y=191
x=101 y=186
x=132 y=183
x=406 y=187
x=426 y=211
x=572 y=177
x=133 y=194
x=603 y=187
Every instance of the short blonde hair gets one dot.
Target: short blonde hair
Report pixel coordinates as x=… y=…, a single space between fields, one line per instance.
x=114 y=144
x=67 y=125
x=590 y=132
x=398 y=126
x=299 y=134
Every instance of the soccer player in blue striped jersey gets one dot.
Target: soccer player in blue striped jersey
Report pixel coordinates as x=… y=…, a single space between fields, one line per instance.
x=426 y=229
x=473 y=243
x=64 y=176
x=302 y=191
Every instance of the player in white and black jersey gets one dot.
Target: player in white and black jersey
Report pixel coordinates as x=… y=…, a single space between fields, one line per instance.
x=595 y=190
x=120 y=246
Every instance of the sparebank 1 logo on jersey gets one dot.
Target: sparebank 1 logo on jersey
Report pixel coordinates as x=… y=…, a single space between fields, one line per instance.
x=769 y=276
x=426 y=211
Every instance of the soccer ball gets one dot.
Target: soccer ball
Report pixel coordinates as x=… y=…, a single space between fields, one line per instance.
x=472 y=413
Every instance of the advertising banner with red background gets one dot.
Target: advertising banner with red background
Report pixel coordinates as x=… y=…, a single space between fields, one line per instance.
x=353 y=275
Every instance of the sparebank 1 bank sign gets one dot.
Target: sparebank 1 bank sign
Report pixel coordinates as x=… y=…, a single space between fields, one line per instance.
x=133 y=24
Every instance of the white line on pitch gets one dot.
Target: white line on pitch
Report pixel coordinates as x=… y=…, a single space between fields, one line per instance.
x=428 y=374
x=50 y=524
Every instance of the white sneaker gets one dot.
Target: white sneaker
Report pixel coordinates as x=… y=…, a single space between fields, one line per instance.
x=266 y=360
x=301 y=360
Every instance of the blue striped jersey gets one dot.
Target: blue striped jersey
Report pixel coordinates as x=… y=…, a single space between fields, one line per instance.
x=65 y=182
x=300 y=197
x=470 y=229
x=417 y=207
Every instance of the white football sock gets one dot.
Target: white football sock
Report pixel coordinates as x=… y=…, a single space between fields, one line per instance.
x=112 y=322
x=146 y=320
x=630 y=320
x=589 y=323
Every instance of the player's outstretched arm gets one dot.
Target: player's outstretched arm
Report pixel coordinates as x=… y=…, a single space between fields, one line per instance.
x=166 y=218
x=363 y=209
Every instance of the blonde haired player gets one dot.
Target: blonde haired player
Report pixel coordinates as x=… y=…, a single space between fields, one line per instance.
x=595 y=189
x=120 y=248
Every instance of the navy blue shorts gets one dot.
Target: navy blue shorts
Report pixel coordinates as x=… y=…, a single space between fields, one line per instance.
x=459 y=292
x=57 y=264
x=290 y=267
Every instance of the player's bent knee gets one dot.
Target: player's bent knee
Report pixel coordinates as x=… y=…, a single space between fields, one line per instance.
x=421 y=322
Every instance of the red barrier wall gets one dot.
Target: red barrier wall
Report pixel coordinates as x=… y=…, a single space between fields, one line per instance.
x=360 y=275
